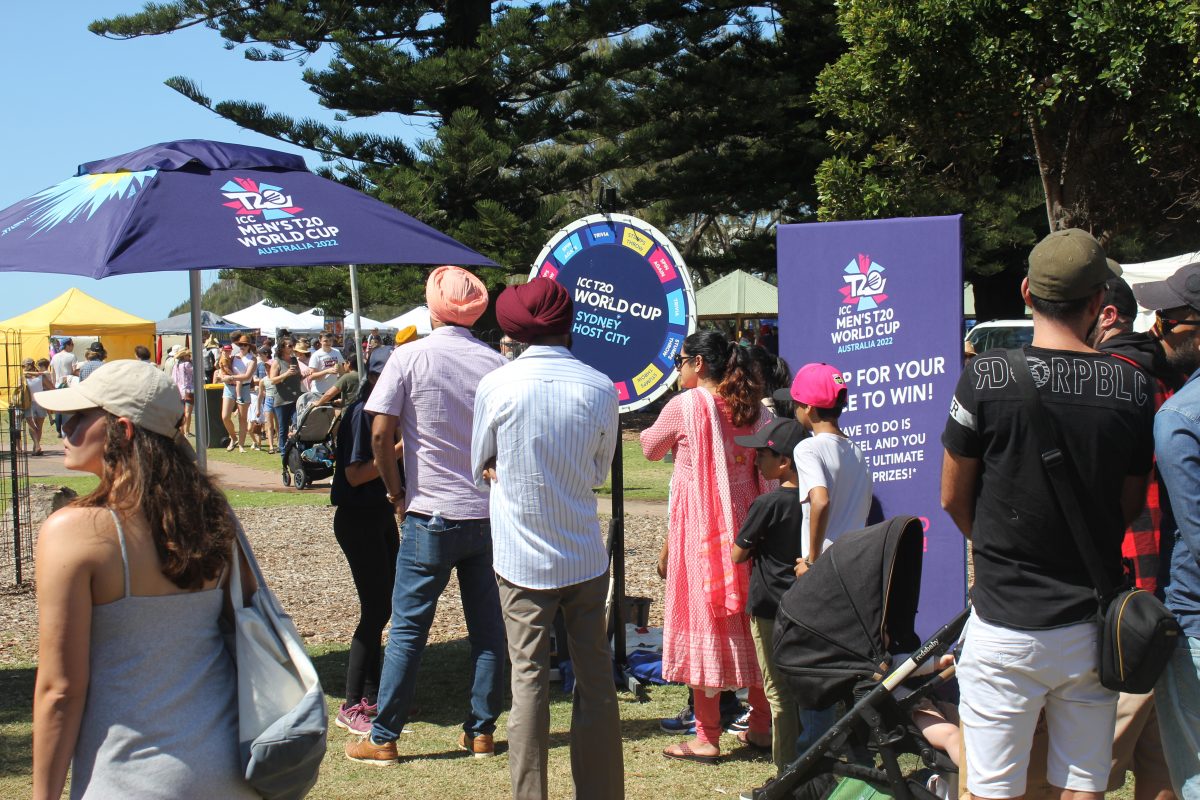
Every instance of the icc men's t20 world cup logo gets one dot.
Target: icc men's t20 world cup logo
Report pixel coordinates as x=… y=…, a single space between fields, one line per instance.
x=864 y=283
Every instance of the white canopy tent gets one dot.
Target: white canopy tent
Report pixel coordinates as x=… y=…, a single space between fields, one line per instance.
x=367 y=324
x=418 y=318
x=311 y=321
x=266 y=318
x=1154 y=271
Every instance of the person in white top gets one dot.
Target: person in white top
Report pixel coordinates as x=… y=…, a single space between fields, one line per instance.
x=544 y=434
x=834 y=482
x=63 y=365
x=326 y=365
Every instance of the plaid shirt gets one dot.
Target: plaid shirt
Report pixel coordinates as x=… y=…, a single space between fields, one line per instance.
x=1141 y=544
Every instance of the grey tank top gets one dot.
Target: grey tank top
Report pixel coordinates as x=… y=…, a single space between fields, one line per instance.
x=161 y=715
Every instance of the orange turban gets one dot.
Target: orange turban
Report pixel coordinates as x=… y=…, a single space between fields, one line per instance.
x=455 y=296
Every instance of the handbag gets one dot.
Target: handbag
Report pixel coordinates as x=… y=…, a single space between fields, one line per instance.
x=1138 y=633
x=281 y=707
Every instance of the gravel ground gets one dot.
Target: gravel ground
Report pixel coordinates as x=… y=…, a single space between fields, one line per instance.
x=306 y=569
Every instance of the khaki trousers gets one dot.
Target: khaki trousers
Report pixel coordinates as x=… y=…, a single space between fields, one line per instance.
x=785 y=715
x=597 y=768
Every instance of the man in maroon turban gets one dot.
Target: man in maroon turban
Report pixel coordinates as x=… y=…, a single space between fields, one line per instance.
x=536 y=310
x=545 y=429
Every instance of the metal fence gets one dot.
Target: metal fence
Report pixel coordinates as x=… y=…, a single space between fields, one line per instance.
x=16 y=538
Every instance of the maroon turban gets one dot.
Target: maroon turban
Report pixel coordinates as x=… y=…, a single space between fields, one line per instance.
x=540 y=308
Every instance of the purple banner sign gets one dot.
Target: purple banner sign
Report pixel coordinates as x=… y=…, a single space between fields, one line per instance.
x=881 y=300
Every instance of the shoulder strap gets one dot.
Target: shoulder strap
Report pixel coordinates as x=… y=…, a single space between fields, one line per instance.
x=1056 y=469
x=124 y=550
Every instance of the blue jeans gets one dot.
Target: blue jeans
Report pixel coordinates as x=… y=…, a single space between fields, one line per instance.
x=1177 y=699
x=283 y=421
x=429 y=549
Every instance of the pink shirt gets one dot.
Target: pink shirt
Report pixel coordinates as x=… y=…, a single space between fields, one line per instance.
x=430 y=386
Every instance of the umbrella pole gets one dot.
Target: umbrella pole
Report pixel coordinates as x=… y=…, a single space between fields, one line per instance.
x=358 y=351
x=199 y=394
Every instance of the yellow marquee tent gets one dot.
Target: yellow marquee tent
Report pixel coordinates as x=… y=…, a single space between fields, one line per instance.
x=75 y=313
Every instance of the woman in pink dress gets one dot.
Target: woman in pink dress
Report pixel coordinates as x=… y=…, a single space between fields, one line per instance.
x=706 y=632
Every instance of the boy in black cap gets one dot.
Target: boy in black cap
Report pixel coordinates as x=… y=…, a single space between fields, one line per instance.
x=771 y=536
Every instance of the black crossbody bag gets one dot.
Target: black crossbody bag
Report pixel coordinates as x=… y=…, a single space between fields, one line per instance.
x=1137 y=633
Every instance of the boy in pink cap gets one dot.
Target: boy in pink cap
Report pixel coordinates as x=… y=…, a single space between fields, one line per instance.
x=834 y=484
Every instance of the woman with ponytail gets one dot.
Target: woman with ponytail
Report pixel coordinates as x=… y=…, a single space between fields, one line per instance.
x=706 y=632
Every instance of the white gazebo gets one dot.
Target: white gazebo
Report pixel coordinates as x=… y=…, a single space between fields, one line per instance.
x=418 y=318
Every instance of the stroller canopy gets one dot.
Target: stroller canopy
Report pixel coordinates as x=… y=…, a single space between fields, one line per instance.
x=829 y=633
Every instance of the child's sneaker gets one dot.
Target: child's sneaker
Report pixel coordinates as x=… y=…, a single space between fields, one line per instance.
x=682 y=724
x=739 y=723
x=353 y=719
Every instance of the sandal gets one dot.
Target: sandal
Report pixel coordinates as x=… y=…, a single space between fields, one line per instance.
x=744 y=738
x=232 y=444
x=684 y=752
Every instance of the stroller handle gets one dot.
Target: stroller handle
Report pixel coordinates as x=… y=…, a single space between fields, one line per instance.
x=935 y=645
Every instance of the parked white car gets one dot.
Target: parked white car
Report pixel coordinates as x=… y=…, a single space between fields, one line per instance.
x=1005 y=333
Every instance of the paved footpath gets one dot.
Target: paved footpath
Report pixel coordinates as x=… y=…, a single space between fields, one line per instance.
x=253 y=479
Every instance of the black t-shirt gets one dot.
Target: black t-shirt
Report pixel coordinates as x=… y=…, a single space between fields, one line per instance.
x=1029 y=574
x=772 y=531
x=353 y=446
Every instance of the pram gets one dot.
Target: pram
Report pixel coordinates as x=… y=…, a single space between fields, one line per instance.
x=308 y=452
x=867 y=582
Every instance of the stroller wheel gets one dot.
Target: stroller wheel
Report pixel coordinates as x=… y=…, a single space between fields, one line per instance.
x=287 y=478
x=299 y=478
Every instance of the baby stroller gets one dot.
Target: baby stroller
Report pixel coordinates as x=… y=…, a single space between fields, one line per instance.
x=867 y=582
x=308 y=453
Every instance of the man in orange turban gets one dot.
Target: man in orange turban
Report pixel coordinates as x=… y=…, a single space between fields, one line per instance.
x=455 y=296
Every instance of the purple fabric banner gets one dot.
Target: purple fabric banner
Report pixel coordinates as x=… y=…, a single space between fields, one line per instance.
x=881 y=300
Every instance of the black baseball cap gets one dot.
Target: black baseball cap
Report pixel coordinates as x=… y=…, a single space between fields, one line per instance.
x=1181 y=289
x=1118 y=294
x=780 y=434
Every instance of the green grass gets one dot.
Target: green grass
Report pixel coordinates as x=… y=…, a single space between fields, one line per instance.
x=644 y=480
x=258 y=459
x=83 y=484
x=432 y=765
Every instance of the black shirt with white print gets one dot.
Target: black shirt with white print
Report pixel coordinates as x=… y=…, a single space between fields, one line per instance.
x=1028 y=571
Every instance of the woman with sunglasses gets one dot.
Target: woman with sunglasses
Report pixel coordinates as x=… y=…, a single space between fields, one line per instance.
x=136 y=692
x=706 y=632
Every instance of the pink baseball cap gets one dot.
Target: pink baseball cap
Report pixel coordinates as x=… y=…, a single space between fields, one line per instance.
x=818 y=384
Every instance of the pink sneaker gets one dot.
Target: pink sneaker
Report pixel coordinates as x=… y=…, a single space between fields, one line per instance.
x=353 y=719
x=370 y=709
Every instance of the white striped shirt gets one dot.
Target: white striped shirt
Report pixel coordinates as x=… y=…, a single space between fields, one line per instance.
x=550 y=421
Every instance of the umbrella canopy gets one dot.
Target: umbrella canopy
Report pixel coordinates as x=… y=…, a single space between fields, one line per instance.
x=196 y=204
x=182 y=323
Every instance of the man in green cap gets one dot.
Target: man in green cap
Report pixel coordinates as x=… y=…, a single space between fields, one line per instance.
x=1031 y=638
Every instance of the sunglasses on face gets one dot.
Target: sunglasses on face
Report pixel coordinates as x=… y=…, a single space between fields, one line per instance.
x=1165 y=324
x=681 y=359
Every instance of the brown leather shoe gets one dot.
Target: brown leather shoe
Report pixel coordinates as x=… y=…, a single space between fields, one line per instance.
x=367 y=752
x=481 y=745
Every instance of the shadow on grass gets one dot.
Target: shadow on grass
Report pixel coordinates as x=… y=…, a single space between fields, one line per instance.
x=16 y=712
x=442 y=695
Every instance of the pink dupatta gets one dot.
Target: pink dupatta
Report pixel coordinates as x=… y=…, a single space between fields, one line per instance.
x=726 y=585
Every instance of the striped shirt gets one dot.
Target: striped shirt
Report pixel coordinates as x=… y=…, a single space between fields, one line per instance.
x=550 y=421
x=429 y=385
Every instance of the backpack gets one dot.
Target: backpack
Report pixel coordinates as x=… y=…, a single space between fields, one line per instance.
x=21 y=398
x=210 y=362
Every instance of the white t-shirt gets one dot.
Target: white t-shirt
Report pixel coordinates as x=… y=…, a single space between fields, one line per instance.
x=323 y=360
x=62 y=365
x=835 y=463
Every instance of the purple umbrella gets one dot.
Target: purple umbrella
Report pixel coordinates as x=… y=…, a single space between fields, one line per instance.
x=196 y=204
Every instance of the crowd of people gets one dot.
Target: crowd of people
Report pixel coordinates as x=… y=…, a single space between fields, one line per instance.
x=489 y=461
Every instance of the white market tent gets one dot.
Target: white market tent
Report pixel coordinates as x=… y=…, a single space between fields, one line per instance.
x=1154 y=271
x=418 y=318
x=366 y=323
x=266 y=318
x=311 y=321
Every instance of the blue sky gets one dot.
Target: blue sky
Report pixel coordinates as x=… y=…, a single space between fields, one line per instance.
x=70 y=96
